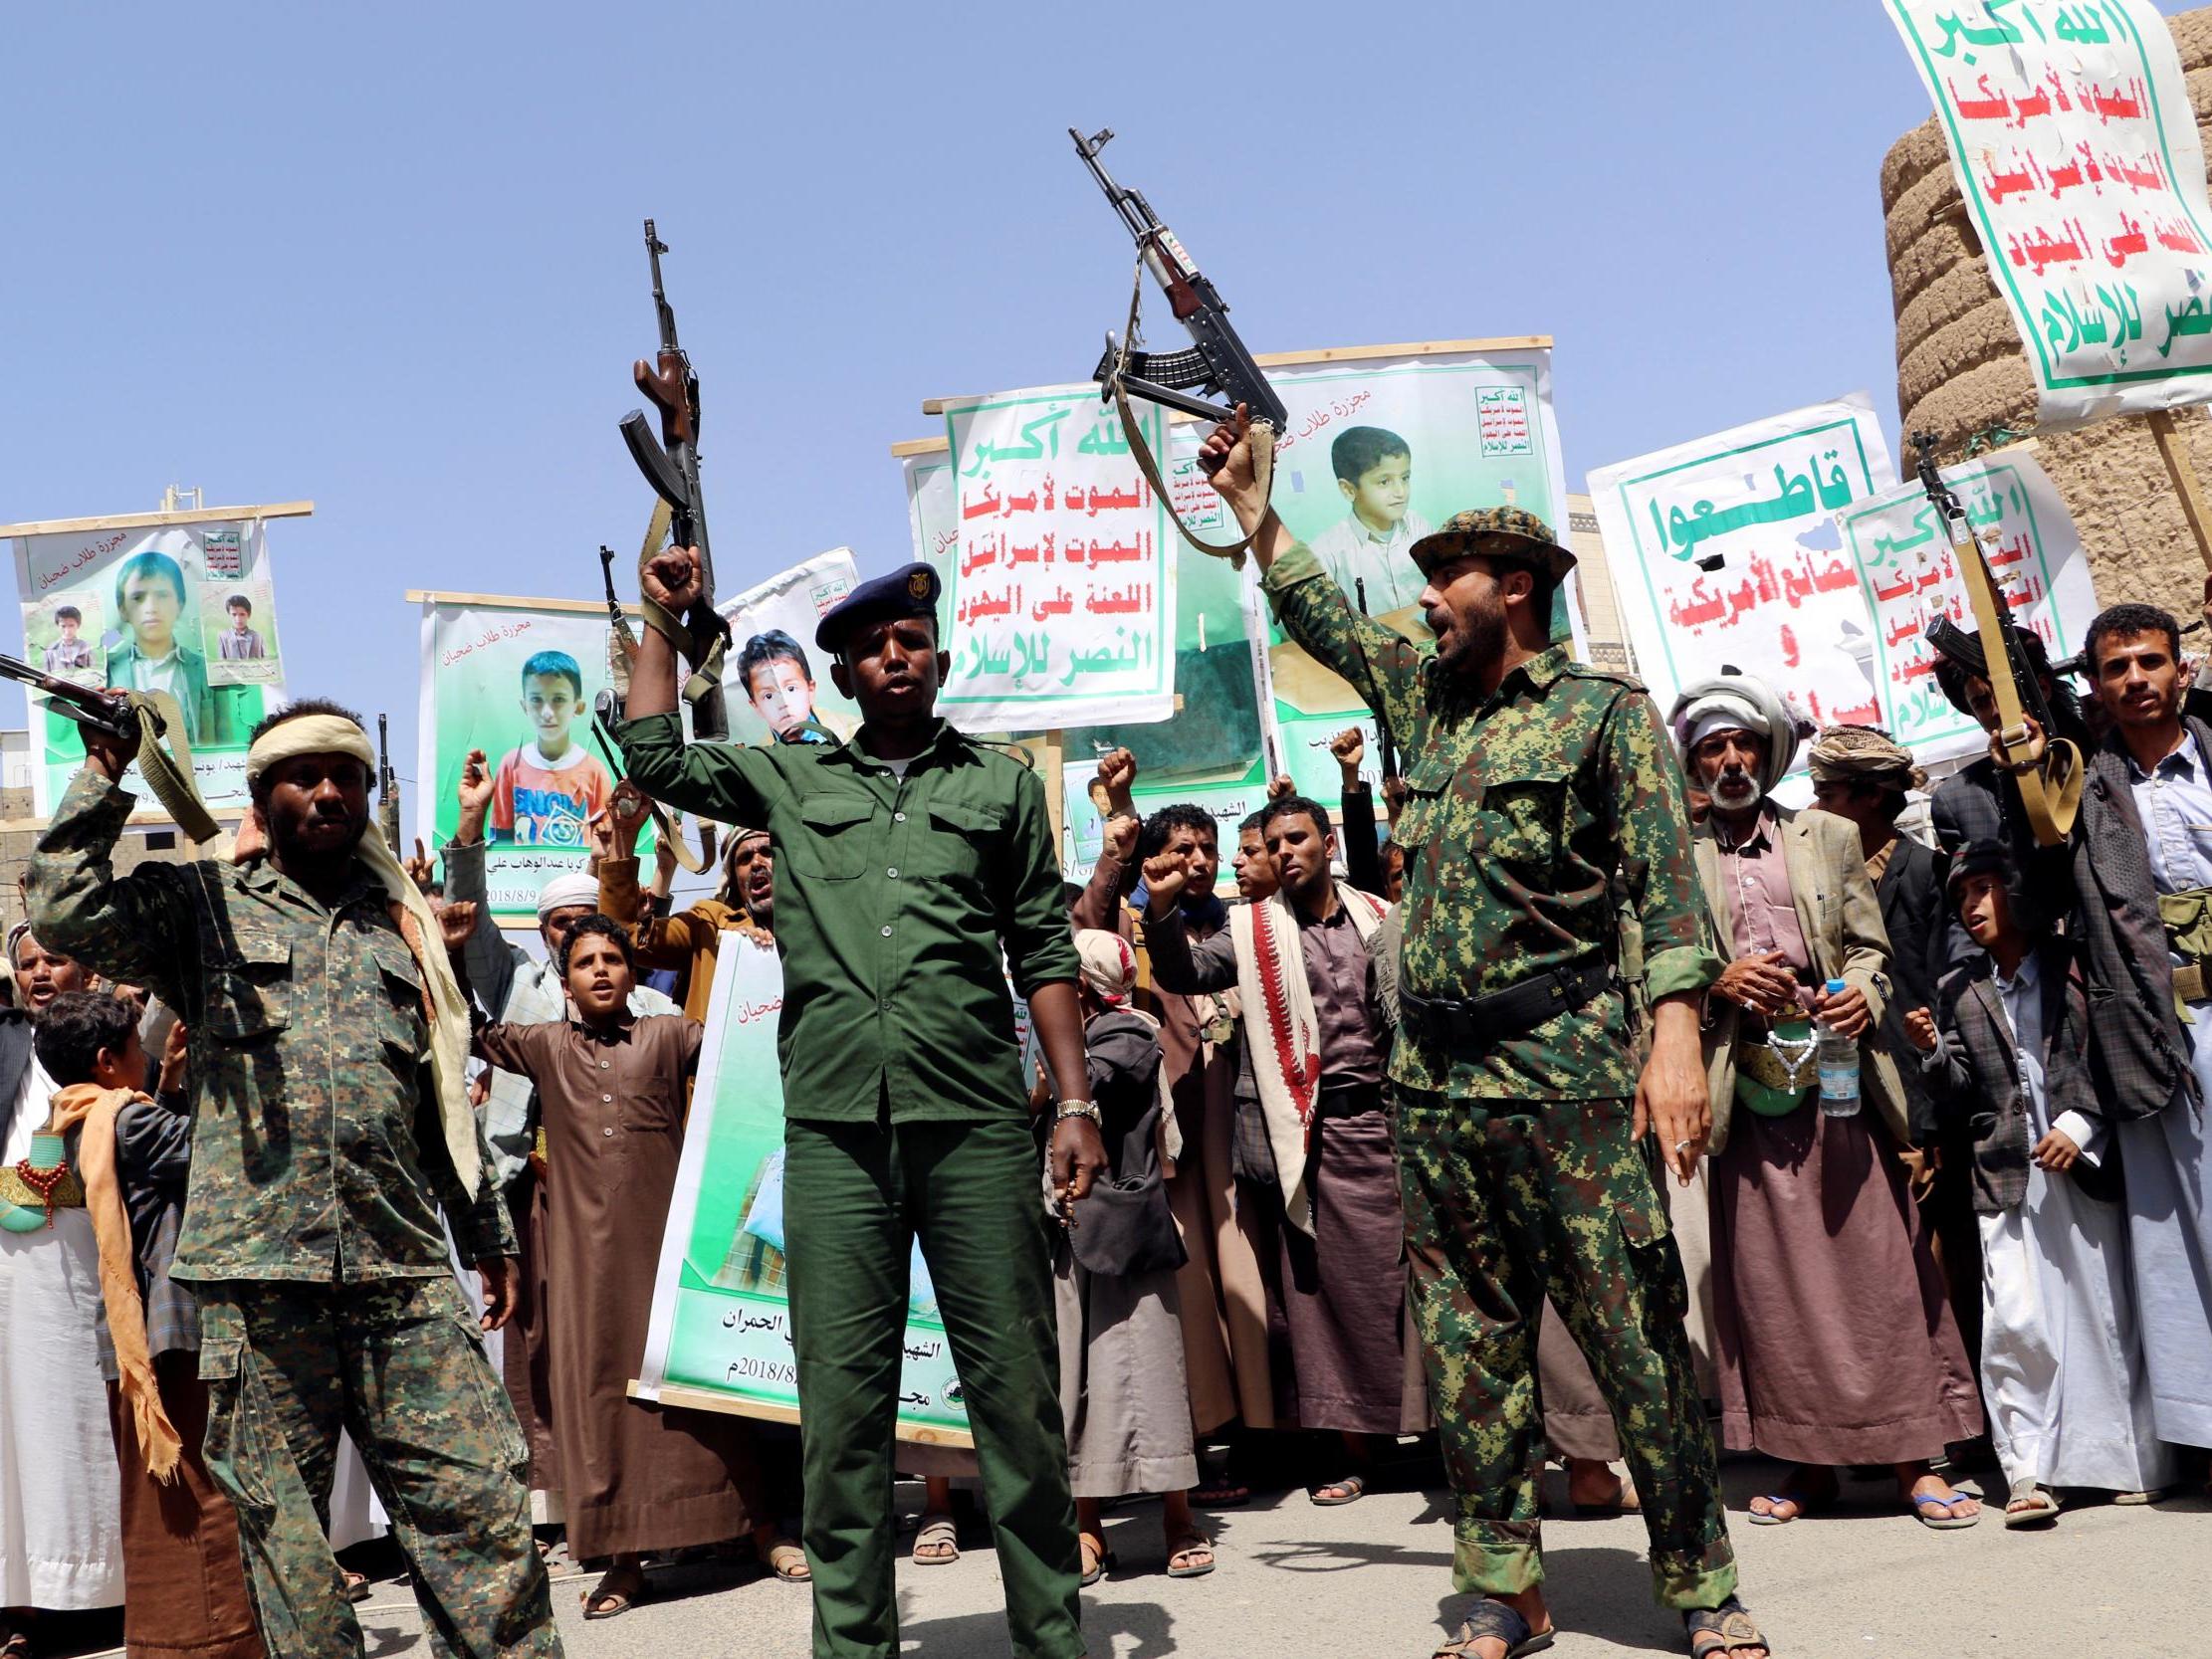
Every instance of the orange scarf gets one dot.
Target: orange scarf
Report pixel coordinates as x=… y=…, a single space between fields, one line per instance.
x=91 y=1110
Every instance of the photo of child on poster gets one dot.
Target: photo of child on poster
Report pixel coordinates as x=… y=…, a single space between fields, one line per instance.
x=238 y=633
x=1375 y=455
x=516 y=680
x=130 y=609
x=780 y=693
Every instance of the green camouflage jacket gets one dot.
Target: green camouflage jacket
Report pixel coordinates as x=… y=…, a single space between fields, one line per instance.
x=316 y=1153
x=1531 y=820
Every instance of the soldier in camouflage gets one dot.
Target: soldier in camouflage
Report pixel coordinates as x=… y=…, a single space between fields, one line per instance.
x=1542 y=795
x=323 y=1150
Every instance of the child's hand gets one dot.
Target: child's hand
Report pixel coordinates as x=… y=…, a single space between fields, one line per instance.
x=455 y=924
x=173 y=1051
x=627 y=816
x=2056 y=1153
x=1350 y=749
x=1919 y=1025
x=419 y=869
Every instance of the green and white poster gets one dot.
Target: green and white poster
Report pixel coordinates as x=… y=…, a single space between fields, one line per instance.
x=1376 y=453
x=517 y=678
x=182 y=608
x=1061 y=595
x=720 y=1337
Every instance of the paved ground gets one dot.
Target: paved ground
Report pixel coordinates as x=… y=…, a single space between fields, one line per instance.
x=1371 y=1581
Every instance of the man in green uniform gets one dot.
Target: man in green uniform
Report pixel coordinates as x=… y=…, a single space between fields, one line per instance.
x=331 y=1124
x=1533 y=782
x=905 y=859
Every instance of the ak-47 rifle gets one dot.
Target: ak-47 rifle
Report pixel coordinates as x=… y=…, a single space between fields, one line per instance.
x=2050 y=782
x=387 y=789
x=1217 y=361
x=142 y=717
x=671 y=467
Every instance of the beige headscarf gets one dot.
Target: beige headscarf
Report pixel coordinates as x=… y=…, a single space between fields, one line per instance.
x=1863 y=754
x=447 y=1010
x=1109 y=966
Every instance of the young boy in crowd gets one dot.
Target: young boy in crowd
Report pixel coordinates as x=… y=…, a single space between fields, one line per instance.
x=182 y=1558
x=549 y=790
x=2006 y=1054
x=1374 y=474
x=775 y=675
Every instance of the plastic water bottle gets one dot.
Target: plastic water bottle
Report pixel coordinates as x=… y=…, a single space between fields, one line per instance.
x=1839 y=1061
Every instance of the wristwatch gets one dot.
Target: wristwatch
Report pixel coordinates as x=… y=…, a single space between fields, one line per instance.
x=1077 y=1109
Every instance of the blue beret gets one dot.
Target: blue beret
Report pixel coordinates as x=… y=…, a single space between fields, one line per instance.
x=908 y=592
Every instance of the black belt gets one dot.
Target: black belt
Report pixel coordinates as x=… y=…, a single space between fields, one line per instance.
x=1348 y=1101
x=1514 y=1011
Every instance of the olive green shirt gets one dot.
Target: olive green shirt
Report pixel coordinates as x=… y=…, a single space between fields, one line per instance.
x=1532 y=819
x=317 y=1149
x=892 y=899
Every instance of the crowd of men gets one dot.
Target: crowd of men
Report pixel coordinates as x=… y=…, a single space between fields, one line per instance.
x=1588 y=1099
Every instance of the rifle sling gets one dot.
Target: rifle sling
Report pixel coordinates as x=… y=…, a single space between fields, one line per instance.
x=1263 y=443
x=171 y=776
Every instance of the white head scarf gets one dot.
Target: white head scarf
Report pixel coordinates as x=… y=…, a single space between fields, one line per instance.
x=564 y=891
x=447 y=1010
x=1741 y=702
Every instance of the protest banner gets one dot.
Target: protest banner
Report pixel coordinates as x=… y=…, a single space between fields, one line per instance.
x=181 y=602
x=1725 y=551
x=775 y=675
x=514 y=677
x=1211 y=754
x=1907 y=575
x=2076 y=152
x=1063 y=588
x=1382 y=445
x=720 y=1335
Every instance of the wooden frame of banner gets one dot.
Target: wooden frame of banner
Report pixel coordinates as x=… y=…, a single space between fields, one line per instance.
x=512 y=603
x=707 y=1399
x=155 y=520
x=2186 y=485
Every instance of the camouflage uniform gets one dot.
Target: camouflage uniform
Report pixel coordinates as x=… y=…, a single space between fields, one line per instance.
x=1531 y=819
x=312 y=1232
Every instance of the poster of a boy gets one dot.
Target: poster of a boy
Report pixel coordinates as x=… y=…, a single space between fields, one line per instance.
x=241 y=641
x=779 y=680
x=68 y=654
x=549 y=790
x=1374 y=469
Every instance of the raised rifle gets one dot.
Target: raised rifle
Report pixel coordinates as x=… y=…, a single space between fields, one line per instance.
x=387 y=789
x=1217 y=361
x=2050 y=784
x=671 y=467
x=143 y=718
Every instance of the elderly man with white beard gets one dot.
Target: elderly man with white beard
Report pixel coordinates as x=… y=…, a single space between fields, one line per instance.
x=1836 y=1342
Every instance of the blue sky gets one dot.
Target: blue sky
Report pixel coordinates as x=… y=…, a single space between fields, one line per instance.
x=389 y=256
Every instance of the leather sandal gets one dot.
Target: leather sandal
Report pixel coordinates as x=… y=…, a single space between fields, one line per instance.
x=1729 y=1622
x=1495 y=1621
x=789 y=1562
x=939 y=1535
x=618 y=1591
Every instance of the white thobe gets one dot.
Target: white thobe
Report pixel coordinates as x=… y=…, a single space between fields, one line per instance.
x=61 y=1493
x=2164 y=1156
x=2062 y=1366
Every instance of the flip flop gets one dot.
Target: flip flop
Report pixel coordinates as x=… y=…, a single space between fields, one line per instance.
x=940 y=1533
x=1946 y=1522
x=1495 y=1621
x=1102 y=1561
x=1353 y=1486
x=1770 y=1519
x=2043 y=1508
x=358 y=1586
x=1189 y=1543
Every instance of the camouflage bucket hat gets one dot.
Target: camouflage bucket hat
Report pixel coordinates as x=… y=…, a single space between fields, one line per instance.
x=1508 y=532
